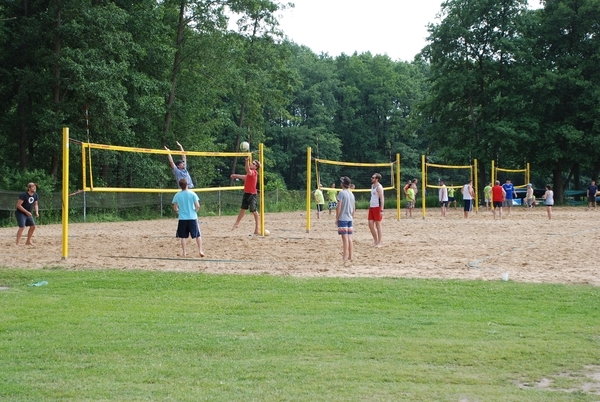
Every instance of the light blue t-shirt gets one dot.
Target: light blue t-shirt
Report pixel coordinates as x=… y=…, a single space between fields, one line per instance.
x=186 y=200
x=346 y=198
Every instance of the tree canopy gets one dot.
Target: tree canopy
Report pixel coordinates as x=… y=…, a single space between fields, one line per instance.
x=497 y=81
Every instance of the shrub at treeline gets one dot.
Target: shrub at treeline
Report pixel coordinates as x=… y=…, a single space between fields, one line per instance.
x=497 y=81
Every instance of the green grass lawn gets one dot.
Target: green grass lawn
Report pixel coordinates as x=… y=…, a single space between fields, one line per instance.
x=132 y=335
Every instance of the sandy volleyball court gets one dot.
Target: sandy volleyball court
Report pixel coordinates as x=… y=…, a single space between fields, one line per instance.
x=526 y=245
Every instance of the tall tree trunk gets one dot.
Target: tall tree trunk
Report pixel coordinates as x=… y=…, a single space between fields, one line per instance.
x=22 y=133
x=21 y=107
x=558 y=184
x=56 y=93
x=176 y=66
x=238 y=138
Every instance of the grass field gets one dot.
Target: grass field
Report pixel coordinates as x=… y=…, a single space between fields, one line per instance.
x=115 y=335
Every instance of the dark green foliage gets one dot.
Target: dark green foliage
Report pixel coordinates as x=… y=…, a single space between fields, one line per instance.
x=496 y=82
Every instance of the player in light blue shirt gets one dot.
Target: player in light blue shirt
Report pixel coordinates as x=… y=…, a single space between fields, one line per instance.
x=186 y=203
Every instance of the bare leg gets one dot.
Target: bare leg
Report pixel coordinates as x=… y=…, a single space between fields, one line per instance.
x=19 y=234
x=347 y=243
x=379 y=233
x=373 y=232
x=256 y=222
x=350 y=247
x=199 y=243
x=183 y=252
x=549 y=211
x=239 y=219
x=30 y=235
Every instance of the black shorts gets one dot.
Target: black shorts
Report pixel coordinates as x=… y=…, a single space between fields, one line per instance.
x=249 y=202
x=445 y=203
x=497 y=204
x=186 y=228
x=320 y=207
x=24 y=220
x=467 y=206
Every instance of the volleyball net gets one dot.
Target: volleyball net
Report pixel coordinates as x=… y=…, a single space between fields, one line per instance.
x=126 y=171
x=327 y=173
x=112 y=168
x=453 y=176
x=519 y=177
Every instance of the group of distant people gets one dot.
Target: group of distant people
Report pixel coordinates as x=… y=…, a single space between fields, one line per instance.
x=497 y=197
x=186 y=203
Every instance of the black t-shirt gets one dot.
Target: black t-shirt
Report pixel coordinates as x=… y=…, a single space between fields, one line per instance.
x=28 y=201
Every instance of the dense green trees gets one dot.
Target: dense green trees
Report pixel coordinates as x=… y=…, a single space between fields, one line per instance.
x=497 y=81
x=511 y=84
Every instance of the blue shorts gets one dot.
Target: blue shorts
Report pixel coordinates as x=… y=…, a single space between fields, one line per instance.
x=186 y=228
x=345 y=227
x=24 y=220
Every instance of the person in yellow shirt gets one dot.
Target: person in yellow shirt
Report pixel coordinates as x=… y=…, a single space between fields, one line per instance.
x=487 y=195
x=332 y=198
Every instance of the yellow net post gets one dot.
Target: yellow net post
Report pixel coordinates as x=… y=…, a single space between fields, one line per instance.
x=262 y=188
x=65 y=194
x=398 y=187
x=308 y=188
x=476 y=186
x=423 y=185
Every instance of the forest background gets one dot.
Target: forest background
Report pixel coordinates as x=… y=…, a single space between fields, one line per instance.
x=496 y=82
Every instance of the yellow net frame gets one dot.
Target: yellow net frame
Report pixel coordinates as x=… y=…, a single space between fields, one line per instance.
x=394 y=174
x=472 y=174
x=526 y=172
x=86 y=166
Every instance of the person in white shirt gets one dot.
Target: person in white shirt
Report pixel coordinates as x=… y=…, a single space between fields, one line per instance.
x=443 y=197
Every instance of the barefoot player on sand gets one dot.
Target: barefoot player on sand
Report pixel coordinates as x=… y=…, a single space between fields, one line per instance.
x=249 y=198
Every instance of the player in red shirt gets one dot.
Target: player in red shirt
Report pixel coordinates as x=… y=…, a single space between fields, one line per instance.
x=498 y=197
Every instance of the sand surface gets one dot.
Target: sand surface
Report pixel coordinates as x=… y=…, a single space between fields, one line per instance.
x=526 y=245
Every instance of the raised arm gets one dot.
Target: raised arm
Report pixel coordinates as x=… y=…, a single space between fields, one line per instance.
x=247 y=165
x=170 y=158
x=182 y=154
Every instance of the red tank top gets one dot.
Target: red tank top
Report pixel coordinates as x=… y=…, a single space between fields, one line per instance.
x=250 y=182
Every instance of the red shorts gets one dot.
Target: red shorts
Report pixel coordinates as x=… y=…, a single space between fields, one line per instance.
x=375 y=214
